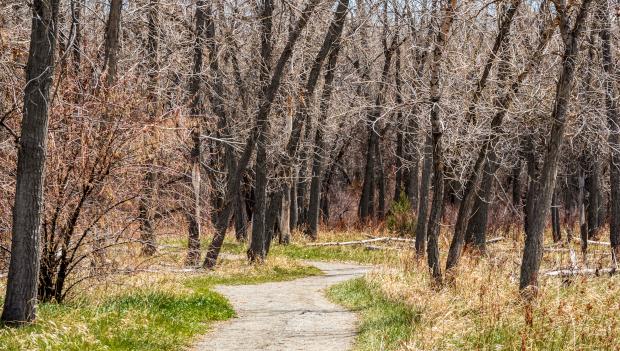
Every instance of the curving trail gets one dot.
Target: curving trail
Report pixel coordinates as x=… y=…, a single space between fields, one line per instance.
x=291 y=315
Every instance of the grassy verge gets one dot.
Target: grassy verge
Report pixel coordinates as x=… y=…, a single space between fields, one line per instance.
x=299 y=249
x=384 y=324
x=143 y=312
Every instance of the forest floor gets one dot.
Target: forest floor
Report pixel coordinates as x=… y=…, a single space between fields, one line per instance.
x=396 y=305
x=291 y=315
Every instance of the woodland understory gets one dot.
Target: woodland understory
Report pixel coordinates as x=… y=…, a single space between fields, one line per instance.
x=453 y=125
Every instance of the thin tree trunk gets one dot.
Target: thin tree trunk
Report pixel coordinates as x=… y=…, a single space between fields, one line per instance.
x=196 y=110
x=21 y=290
x=555 y=218
x=583 y=224
x=380 y=183
x=285 y=216
x=592 y=185
x=294 y=205
x=146 y=208
x=422 y=220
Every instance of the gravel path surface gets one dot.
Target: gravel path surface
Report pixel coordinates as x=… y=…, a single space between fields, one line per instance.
x=292 y=315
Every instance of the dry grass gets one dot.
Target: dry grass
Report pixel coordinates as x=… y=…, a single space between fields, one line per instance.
x=482 y=310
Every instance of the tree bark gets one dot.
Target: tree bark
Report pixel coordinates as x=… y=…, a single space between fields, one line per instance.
x=437 y=128
x=196 y=110
x=319 y=153
x=540 y=193
x=367 y=199
x=112 y=41
x=422 y=220
x=458 y=240
x=146 y=208
x=21 y=291
x=613 y=121
x=256 y=252
x=555 y=218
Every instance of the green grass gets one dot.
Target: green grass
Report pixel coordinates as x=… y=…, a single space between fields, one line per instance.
x=322 y=253
x=163 y=315
x=384 y=324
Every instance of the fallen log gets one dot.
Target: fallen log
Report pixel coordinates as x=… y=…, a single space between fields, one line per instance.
x=362 y=242
x=494 y=240
x=556 y=249
x=379 y=248
x=601 y=243
x=582 y=271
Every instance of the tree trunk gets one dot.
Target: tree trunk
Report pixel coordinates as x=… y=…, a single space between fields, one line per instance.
x=294 y=205
x=460 y=228
x=555 y=218
x=437 y=128
x=21 y=290
x=112 y=41
x=146 y=208
x=516 y=184
x=613 y=121
x=284 y=223
x=196 y=110
x=477 y=226
x=583 y=223
x=367 y=199
x=539 y=195
x=399 y=184
x=380 y=183
x=592 y=201
x=256 y=251
x=422 y=220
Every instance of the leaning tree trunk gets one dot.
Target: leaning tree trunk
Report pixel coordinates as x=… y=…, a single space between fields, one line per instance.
x=613 y=120
x=319 y=143
x=540 y=193
x=21 y=290
x=477 y=225
x=256 y=252
x=460 y=228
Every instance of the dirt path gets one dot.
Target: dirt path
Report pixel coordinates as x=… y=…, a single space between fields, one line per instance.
x=292 y=315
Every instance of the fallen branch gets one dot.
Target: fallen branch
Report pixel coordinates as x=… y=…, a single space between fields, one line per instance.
x=379 y=248
x=583 y=271
x=556 y=249
x=494 y=240
x=601 y=243
x=361 y=242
